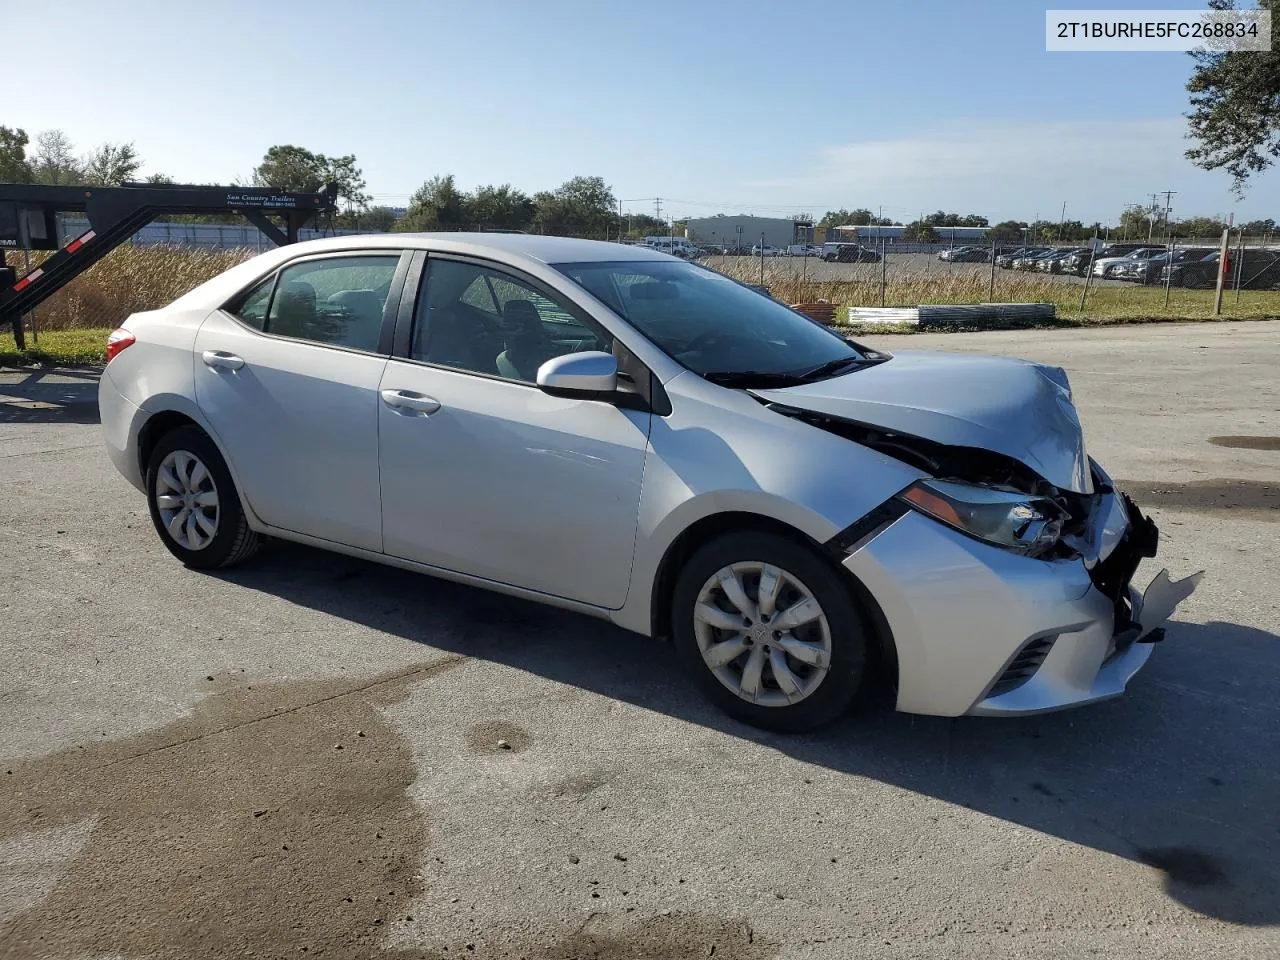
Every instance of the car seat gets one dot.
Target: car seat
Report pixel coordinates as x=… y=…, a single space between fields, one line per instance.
x=527 y=346
x=294 y=312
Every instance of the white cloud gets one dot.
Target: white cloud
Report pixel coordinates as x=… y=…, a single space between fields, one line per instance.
x=1010 y=170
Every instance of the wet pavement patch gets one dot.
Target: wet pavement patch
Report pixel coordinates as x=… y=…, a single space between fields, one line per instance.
x=676 y=936
x=1247 y=443
x=238 y=830
x=1253 y=499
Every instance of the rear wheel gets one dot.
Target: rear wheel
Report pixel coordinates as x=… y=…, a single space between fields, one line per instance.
x=770 y=631
x=194 y=504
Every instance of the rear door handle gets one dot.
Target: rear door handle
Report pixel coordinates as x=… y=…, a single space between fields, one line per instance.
x=404 y=400
x=221 y=360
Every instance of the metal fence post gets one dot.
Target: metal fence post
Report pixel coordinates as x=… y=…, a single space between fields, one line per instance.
x=1168 y=272
x=991 y=287
x=884 y=267
x=1239 y=263
x=1088 y=276
x=762 y=259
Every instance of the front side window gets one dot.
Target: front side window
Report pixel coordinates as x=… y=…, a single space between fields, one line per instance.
x=715 y=326
x=483 y=320
x=336 y=301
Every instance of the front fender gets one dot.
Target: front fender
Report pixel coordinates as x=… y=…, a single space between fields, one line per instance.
x=721 y=451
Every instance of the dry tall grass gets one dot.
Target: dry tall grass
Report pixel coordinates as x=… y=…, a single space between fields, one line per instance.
x=129 y=279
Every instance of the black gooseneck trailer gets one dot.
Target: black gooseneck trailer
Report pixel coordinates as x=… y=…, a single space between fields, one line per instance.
x=28 y=221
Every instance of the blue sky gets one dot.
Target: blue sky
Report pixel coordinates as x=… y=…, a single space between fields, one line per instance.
x=760 y=107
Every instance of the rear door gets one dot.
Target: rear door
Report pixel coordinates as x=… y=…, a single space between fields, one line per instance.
x=287 y=376
x=482 y=472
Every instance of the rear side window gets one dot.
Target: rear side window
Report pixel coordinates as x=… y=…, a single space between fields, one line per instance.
x=336 y=301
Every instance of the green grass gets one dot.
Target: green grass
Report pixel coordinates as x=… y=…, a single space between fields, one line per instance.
x=61 y=348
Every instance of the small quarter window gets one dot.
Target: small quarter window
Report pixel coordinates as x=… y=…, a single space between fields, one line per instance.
x=253 y=310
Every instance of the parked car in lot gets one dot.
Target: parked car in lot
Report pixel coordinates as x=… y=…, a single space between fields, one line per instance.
x=803 y=250
x=1054 y=262
x=1028 y=262
x=1106 y=267
x=1079 y=262
x=1258 y=269
x=1148 y=270
x=1006 y=260
x=618 y=431
x=849 y=253
x=967 y=255
x=768 y=251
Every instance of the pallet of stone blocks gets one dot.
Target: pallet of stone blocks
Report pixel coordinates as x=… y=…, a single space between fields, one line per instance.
x=956 y=314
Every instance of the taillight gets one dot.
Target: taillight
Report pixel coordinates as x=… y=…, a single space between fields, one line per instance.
x=117 y=340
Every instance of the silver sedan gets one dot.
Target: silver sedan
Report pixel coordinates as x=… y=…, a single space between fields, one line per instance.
x=621 y=432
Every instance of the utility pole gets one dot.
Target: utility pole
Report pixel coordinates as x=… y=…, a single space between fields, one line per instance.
x=657 y=209
x=1168 y=195
x=1062 y=220
x=1151 y=216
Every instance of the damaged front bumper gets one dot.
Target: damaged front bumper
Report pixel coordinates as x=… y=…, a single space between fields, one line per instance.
x=981 y=630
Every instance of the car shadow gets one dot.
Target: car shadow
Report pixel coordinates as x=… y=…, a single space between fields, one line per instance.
x=1179 y=773
x=49 y=396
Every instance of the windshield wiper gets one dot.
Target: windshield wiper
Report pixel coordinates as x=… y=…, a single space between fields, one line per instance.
x=832 y=367
x=752 y=378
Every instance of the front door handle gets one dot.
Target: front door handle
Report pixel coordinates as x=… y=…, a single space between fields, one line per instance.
x=221 y=360
x=404 y=400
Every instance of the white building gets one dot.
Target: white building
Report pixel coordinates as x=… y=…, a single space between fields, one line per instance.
x=745 y=231
x=865 y=235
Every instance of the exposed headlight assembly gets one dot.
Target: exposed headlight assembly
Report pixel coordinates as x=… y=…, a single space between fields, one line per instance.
x=1016 y=521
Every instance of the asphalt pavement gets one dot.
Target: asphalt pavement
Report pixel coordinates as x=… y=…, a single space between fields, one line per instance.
x=317 y=756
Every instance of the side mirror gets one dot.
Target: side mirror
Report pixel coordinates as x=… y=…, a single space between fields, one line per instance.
x=590 y=374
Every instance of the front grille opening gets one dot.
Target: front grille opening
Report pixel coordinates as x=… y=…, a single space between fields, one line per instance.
x=1023 y=666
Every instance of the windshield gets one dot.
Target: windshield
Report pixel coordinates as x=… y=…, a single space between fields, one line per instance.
x=715 y=326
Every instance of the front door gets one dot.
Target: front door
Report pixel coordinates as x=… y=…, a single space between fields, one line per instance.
x=482 y=472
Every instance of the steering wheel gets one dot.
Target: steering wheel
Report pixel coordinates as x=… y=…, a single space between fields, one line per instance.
x=702 y=340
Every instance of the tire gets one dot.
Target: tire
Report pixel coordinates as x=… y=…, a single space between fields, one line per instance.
x=842 y=629
x=223 y=537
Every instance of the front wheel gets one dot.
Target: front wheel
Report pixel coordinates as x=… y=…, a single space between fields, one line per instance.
x=770 y=631
x=194 y=504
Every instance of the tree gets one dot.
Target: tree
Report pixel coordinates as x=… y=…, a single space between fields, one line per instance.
x=54 y=161
x=372 y=220
x=436 y=205
x=1198 y=228
x=1006 y=231
x=1258 y=226
x=14 y=167
x=920 y=230
x=638 y=225
x=112 y=164
x=501 y=208
x=298 y=170
x=581 y=207
x=1235 y=107
x=160 y=179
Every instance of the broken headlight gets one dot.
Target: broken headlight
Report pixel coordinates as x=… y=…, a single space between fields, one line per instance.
x=1016 y=521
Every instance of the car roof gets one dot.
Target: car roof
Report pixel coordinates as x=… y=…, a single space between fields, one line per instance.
x=529 y=246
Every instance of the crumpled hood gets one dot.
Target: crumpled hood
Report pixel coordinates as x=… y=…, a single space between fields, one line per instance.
x=1014 y=407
